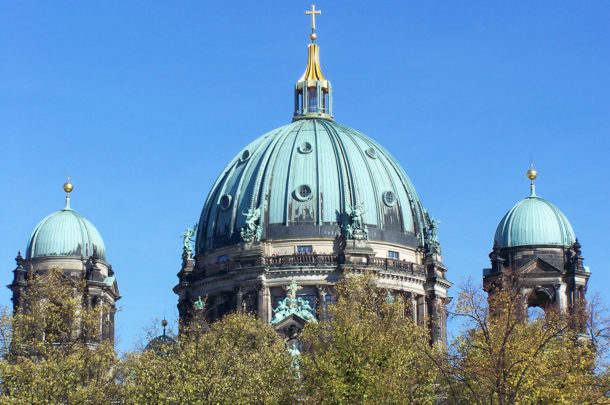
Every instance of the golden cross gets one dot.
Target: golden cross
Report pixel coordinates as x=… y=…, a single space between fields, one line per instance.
x=313 y=13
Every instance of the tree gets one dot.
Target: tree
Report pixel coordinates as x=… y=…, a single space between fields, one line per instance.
x=501 y=358
x=51 y=346
x=238 y=360
x=368 y=350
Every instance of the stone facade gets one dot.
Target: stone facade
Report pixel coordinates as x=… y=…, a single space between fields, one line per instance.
x=101 y=285
x=547 y=276
x=252 y=277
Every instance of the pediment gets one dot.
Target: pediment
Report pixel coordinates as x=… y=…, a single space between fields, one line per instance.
x=537 y=266
x=291 y=326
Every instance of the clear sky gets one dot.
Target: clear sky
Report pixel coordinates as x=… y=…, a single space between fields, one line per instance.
x=144 y=102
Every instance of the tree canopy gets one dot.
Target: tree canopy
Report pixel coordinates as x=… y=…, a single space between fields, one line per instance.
x=364 y=349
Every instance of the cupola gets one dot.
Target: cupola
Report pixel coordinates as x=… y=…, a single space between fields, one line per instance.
x=534 y=221
x=65 y=233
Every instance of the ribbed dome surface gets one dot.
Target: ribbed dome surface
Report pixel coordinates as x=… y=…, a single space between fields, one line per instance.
x=534 y=221
x=65 y=233
x=303 y=177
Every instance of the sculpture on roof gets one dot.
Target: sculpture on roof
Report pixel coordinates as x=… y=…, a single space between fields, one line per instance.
x=187 y=241
x=199 y=304
x=431 y=235
x=293 y=305
x=253 y=230
x=355 y=227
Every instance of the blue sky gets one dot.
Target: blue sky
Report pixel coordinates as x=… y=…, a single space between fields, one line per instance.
x=144 y=102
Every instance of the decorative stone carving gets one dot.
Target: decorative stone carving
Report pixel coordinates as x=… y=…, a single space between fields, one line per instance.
x=253 y=230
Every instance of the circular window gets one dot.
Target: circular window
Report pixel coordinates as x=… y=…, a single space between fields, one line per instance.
x=389 y=198
x=225 y=202
x=305 y=147
x=303 y=193
x=245 y=156
x=372 y=153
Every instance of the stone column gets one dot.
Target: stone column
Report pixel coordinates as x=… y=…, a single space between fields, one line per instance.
x=239 y=296
x=414 y=307
x=321 y=301
x=562 y=299
x=422 y=312
x=264 y=303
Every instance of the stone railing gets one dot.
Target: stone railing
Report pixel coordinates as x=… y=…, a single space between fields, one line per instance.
x=314 y=259
x=219 y=267
x=301 y=260
x=392 y=264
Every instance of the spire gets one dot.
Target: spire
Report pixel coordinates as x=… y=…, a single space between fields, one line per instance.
x=532 y=174
x=313 y=93
x=68 y=187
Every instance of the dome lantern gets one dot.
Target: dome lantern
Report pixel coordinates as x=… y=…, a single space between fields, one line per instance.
x=313 y=93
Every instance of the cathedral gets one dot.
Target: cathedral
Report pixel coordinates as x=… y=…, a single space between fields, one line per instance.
x=305 y=203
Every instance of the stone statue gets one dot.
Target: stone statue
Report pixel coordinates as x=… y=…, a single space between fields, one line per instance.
x=355 y=227
x=293 y=305
x=199 y=304
x=253 y=230
x=187 y=239
x=293 y=349
x=431 y=235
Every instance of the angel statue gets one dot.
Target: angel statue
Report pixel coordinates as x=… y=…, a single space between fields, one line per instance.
x=187 y=239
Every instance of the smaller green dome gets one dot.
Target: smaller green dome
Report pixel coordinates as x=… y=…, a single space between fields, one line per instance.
x=65 y=233
x=534 y=221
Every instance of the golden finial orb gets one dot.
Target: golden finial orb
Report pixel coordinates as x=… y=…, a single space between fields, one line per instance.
x=531 y=173
x=164 y=323
x=68 y=187
x=313 y=36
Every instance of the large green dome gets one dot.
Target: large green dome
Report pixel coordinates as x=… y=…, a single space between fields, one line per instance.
x=303 y=177
x=65 y=233
x=534 y=221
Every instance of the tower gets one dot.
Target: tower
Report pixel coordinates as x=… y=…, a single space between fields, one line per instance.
x=304 y=203
x=536 y=252
x=68 y=241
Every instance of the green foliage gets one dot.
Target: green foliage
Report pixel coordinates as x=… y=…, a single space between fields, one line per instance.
x=239 y=360
x=501 y=358
x=367 y=351
x=47 y=350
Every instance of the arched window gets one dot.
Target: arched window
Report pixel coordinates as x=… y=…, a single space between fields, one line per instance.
x=538 y=302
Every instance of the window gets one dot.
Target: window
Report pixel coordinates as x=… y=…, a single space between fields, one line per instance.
x=312 y=101
x=305 y=147
x=303 y=193
x=304 y=249
x=225 y=202
x=393 y=255
x=389 y=198
x=222 y=259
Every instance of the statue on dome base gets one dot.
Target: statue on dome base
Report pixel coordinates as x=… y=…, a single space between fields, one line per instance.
x=431 y=236
x=253 y=229
x=187 y=241
x=355 y=227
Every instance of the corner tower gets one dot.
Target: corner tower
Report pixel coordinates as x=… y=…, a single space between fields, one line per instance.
x=68 y=241
x=536 y=251
x=305 y=202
